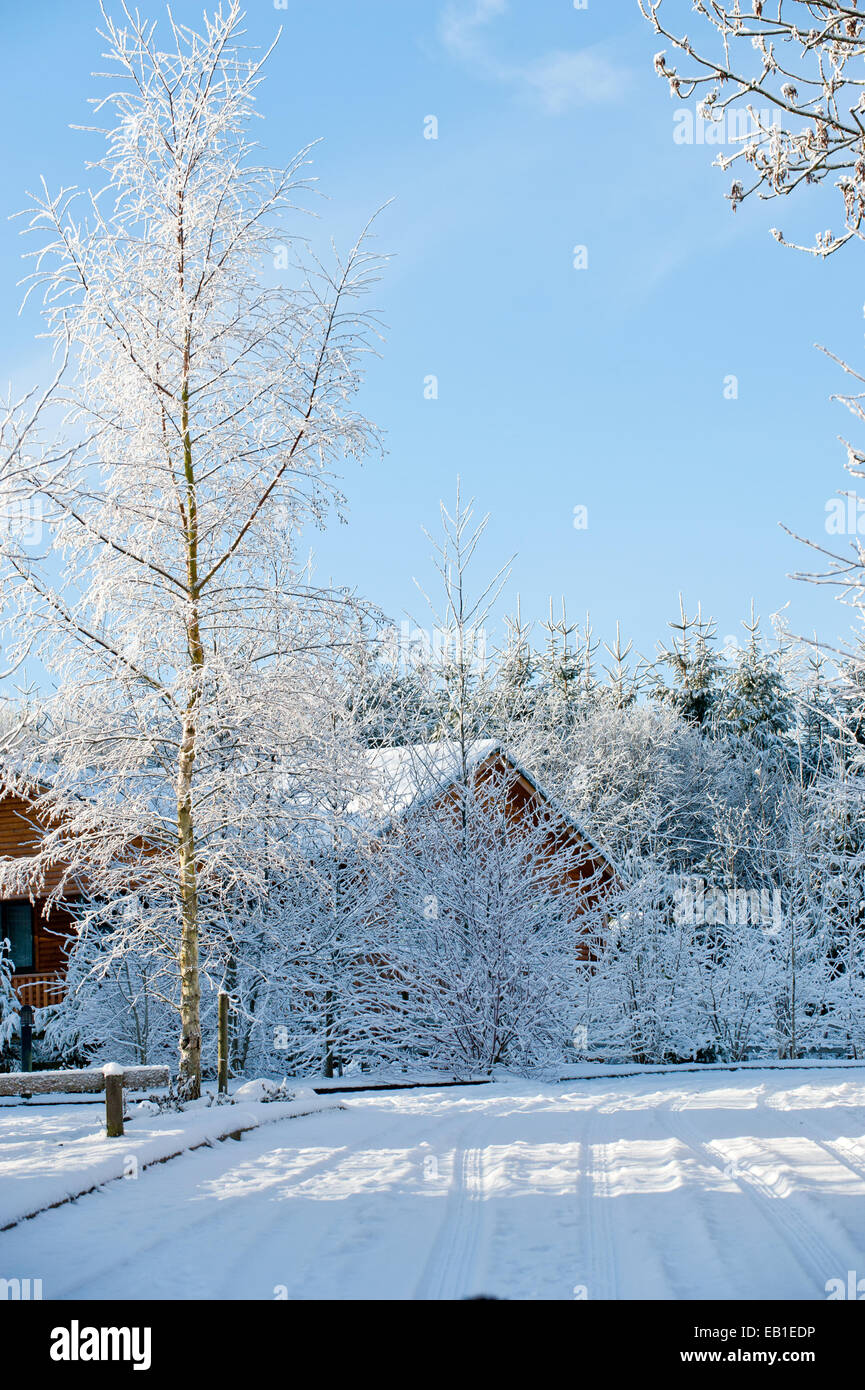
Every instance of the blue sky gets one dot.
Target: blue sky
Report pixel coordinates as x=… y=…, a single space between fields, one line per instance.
x=558 y=387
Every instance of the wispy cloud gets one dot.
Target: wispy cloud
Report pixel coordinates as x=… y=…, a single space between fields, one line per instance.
x=564 y=79
x=462 y=26
x=558 y=81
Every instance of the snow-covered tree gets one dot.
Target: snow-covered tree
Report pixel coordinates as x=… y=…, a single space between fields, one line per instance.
x=121 y=997
x=515 y=693
x=209 y=406
x=755 y=702
x=388 y=694
x=9 y=1003
x=483 y=905
x=637 y=995
x=830 y=954
x=457 y=666
x=565 y=668
x=625 y=673
x=801 y=978
x=787 y=78
x=814 y=731
x=694 y=667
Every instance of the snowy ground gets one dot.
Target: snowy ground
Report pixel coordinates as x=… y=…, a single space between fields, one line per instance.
x=49 y=1153
x=740 y=1185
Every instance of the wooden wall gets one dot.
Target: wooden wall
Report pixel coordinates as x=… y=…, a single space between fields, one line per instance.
x=43 y=984
x=20 y=832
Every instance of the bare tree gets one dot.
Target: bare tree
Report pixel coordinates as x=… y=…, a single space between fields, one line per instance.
x=460 y=631
x=208 y=411
x=801 y=61
x=20 y=526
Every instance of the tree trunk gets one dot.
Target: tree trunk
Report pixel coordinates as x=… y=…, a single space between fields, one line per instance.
x=190 y=988
x=328 y=1034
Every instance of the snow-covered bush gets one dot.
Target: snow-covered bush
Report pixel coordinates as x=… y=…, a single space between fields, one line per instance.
x=472 y=953
x=9 y=1005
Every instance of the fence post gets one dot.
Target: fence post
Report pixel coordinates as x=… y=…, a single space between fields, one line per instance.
x=222 y=1043
x=26 y=1037
x=113 y=1074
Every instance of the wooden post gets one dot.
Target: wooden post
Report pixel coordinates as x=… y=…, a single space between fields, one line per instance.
x=26 y=1038
x=113 y=1074
x=222 y=1043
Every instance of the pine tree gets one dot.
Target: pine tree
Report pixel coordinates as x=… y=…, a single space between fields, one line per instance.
x=623 y=681
x=754 y=702
x=515 y=694
x=565 y=667
x=694 y=667
x=815 y=726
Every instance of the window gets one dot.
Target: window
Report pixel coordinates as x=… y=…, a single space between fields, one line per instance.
x=16 y=924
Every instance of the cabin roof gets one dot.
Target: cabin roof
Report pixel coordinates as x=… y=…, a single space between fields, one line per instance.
x=408 y=777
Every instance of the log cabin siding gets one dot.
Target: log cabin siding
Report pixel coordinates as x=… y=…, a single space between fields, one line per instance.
x=42 y=983
x=21 y=830
x=590 y=880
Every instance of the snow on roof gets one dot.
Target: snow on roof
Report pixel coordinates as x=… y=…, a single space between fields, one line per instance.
x=405 y=778
x=401 y=779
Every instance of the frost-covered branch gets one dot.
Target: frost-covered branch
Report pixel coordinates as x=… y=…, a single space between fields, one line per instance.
x=799 y=59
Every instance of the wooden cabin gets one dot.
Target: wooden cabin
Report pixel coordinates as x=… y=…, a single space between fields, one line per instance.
x=37 y=937
x=422 y=779
x=402 y=781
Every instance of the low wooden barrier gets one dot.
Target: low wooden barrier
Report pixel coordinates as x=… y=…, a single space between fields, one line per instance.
x=111 y=1079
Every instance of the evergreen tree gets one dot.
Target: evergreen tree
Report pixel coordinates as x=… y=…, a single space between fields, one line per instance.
x=623 y=680
x=694 y=667
x=754 y=701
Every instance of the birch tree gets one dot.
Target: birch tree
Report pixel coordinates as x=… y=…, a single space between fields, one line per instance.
x=210 y=405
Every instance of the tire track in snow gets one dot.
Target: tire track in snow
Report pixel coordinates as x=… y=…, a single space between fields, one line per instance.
x=244 y=1228
x=451 y=1267
x=602 y=1279
x=339 y=1243
x=812 y=1254
x=830 y=1145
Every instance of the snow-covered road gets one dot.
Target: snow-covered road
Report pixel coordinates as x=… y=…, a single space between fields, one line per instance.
x=732 y=1185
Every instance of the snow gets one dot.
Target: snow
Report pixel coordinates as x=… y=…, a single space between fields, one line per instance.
x=49 y=1154
x=403 y=778
x=590 y=1070
x=260 y=1089
x=721 y=1185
